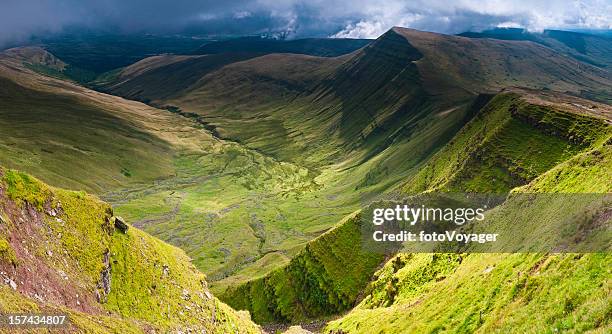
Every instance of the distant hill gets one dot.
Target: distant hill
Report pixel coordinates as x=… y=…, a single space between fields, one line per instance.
x=595 y=49
x=90 y=54
x=97 y=53
x=324 y=47
x=258 y=167
x=359 y=99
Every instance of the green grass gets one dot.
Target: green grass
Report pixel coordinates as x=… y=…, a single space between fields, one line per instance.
x=501 y=293
x=149 y=278
x=23 y=188
x=325 y=278
x=507 y=145
x=7 y=253
x=76 y=143
x=267 y=154
x=491 y=293
x=498 y=293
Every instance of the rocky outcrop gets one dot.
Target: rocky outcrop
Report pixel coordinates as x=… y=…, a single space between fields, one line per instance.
x=104 y=285
x=120 y=224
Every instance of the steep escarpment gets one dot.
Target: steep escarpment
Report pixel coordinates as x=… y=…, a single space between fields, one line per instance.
x=497 y=293
x=501 y=292
x=454 y=65
x=571 y=131
x=325 y=278
x=515 y=138
x=586 y=47
x=65 y=252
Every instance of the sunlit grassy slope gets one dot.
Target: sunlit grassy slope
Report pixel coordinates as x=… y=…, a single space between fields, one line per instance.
x=358 y=123
x=325 y=278
x=252 y=158
x=498 y=293
x=512 y=141
x=485 y=293
x=63 y=254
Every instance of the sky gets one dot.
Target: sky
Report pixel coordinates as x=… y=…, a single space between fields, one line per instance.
x=19 y=19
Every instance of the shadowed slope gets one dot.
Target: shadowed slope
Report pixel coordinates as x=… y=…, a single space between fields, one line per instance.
x=65 y=133
x=327 y=277
x=166 y=76
x=322 y=47
x=284 y=105
x=588 y=48
x=479 y=65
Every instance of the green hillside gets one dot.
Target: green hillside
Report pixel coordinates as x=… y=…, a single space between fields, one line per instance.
x=157 y=167
x=499 y=293
x=42 y=131
x=63 y=252
x=327 y=274
x=491 y=293
x=324 y=279
x=258 y=166
x=510 y=142
x=589 y=48
x=309 y=110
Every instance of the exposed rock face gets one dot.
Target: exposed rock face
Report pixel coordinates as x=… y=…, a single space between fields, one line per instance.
x=107 y=226
x=120 y=224
x=105 y=279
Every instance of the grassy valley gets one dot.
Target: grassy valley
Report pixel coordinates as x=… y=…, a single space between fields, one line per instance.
x=257 y=165
x=319 y=276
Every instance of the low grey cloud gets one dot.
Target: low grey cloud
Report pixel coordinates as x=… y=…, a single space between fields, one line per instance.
x=19 y=19
x=463 y=15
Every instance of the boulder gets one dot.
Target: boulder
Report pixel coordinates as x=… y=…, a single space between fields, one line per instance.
x=120 y=224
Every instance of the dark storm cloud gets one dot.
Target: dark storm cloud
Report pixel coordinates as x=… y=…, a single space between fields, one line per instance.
x=342 y=18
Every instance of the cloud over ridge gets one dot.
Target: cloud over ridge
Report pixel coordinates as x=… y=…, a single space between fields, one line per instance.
x=298 y=18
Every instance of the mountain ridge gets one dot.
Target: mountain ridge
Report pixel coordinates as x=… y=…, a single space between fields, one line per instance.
x=256 y=167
